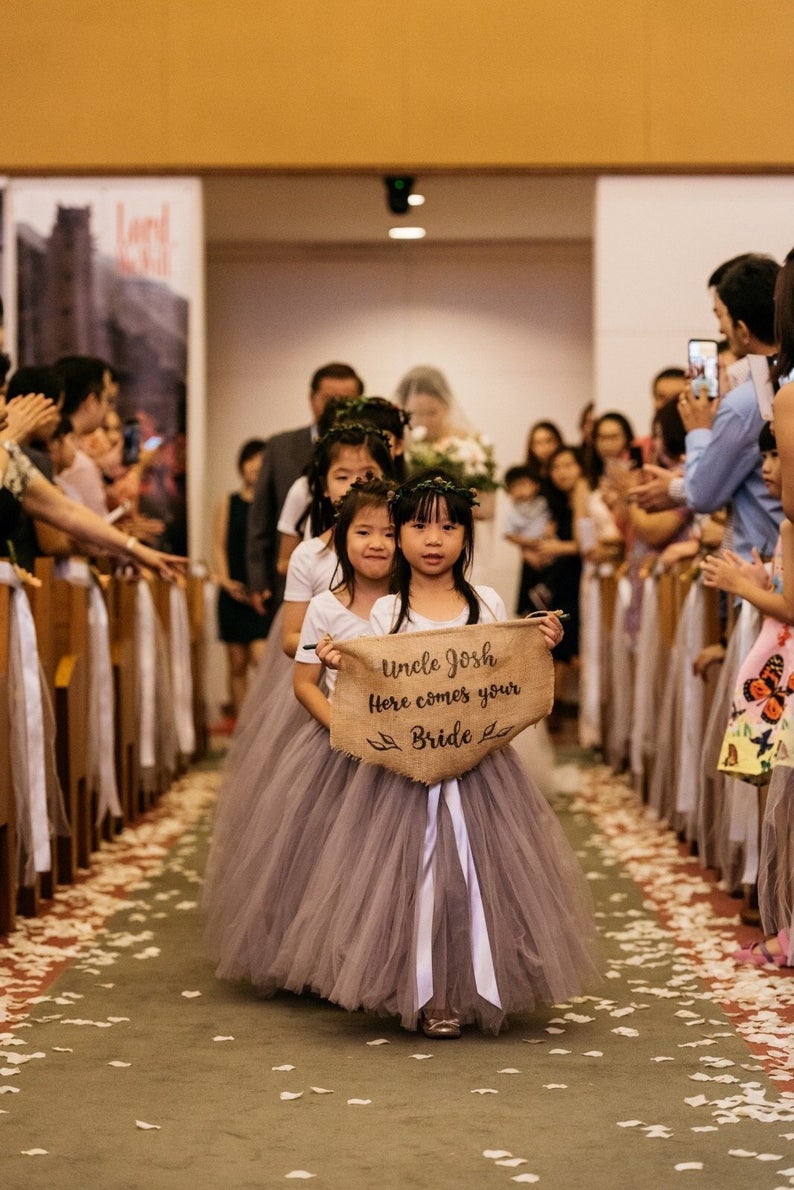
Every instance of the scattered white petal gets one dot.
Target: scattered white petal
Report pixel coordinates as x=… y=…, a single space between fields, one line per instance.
x=321 y=1090
x=559 y=1051
x=696 y=1101
x=657 y=1132
x=9 y=1090
x=496 y=1154
x=421 y=1057
x=186 y=905
x=291 y=1095
x=511 y=1162
x=115 y=1020
x=556 y=1086
x=191 y=995
x=484 y=1091
x=629 y=1123
x=9 y=1071
x=741 y=1153
x=300 y=1173
x=593 y=1054
x=684 y=1165
x=706 y=1128
x=555 y=1030
x=121 y=1065
x=510 y=1069
x=621 y=1012
x=220 y=1037
x=626 y=1032
x=359 y=1102
x=379 y=1041
x=769 y=1157
x=282 y=1067
x=34 y=1152
x=62 y=1049
x=147 y=1127
x=525 y=1177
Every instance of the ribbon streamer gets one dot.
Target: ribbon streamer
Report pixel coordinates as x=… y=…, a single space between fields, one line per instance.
x=482 y=958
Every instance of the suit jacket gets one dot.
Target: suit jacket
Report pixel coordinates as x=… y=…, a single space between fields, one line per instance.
x=286 y=457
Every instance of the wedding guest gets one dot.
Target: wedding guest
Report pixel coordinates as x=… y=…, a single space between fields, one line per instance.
x=288 y=455
x=240 y=626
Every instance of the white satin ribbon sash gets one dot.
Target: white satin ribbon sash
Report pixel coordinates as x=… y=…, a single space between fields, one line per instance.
x=30 y=788
x=181 y=678
x=482 y=958
x=101 y=703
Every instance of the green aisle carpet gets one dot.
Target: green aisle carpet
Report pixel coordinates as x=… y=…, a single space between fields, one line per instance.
x=138 y=1069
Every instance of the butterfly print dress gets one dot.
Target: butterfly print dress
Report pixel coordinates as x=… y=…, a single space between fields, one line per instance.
x=759 y=731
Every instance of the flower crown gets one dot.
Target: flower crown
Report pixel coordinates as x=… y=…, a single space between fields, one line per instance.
x=439 y=485
x=370 y=484
x=360 y=406
x=345 y=427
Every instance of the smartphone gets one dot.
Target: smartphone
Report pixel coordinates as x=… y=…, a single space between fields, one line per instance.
x=704 y=368
x=131 y=449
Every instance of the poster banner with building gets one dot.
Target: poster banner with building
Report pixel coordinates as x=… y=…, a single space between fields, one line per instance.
x=114 y=268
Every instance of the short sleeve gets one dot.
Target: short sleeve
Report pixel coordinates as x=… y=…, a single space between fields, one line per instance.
x=295 y=506
x=298 y=588
x=313 y=628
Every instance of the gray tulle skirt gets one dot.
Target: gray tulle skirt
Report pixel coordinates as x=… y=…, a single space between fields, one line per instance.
x=275 y=856
x=354 y=936
x=270 y=720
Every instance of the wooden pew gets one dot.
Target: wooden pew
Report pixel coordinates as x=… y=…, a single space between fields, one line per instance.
x=66 y=609
x=198 y=660
x=120 y=595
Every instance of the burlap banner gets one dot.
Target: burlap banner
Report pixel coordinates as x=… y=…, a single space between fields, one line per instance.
x=431 y=705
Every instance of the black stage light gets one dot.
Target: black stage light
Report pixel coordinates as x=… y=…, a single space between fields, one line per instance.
x=398 y=190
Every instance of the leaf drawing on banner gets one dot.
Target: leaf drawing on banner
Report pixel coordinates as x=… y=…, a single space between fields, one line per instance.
x=490 y=732
x=387 y=744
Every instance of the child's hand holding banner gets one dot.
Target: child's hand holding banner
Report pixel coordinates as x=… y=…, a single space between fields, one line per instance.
x=431 y=705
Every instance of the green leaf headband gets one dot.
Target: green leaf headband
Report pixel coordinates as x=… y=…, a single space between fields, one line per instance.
x=439 y=486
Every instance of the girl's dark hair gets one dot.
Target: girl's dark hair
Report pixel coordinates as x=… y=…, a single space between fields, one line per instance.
x=596 y=469
x=372 y=493
x=378 y=412
x=766 y=438
x=672 y=430
x=784 y=319
x=326 y=450
x=249 y=450
x=423 y=498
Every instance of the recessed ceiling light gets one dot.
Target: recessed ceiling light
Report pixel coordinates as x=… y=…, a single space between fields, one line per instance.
x=416 y=200
x=406 y=233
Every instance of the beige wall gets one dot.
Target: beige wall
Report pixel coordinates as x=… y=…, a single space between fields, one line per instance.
x=247 y=84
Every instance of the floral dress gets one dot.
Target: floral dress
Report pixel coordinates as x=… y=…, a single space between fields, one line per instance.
x=759 y=725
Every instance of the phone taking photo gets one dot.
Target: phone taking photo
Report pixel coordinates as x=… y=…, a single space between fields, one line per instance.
x=131 y=449
x=703 y=355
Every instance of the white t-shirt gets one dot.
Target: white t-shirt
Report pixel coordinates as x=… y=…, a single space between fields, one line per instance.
x=295 y=505
x=386 y=610
x=324 y=614
x=311 y=570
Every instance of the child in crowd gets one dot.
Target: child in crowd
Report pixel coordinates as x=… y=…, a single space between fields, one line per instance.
x=456 y=903
x=527 y=522
x=297 y=804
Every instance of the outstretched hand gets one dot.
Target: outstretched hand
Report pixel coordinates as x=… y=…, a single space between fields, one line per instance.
x=26 y=415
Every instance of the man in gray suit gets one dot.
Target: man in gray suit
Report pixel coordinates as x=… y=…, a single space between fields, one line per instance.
x=286 y=457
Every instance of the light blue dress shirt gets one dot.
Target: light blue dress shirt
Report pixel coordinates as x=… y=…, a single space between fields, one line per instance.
x=723 y=465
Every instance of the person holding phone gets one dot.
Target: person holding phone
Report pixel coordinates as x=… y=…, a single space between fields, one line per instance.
x=723 y=462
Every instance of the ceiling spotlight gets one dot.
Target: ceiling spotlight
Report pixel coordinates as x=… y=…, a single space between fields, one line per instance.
x=406 y=233
x=398 y=191
x=416 y=200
